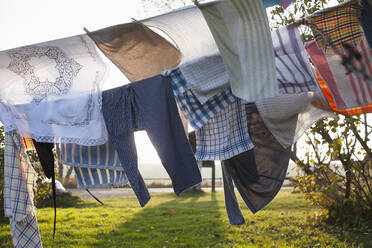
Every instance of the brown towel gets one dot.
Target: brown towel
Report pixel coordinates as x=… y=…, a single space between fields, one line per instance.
x=139 y=52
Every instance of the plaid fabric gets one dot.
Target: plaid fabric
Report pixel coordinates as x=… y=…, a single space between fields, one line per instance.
x=344 y=111
x=26 y=234
x=340 y=23
x=224 y=136
x=179 y=83
x=19 y=178
x=196 y=113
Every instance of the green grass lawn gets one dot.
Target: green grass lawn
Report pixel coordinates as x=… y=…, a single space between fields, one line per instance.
x=192 y=220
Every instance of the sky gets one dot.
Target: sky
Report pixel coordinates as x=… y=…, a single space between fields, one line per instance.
x=25 y=22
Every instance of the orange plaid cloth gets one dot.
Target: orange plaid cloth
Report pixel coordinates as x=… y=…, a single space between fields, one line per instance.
x=340 y=23
x=344 y=111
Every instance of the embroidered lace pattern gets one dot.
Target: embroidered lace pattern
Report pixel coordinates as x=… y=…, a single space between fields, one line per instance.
x=66 y=67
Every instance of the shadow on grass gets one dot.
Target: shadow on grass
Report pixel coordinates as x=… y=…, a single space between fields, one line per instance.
x=65 y=200
x=187 y=221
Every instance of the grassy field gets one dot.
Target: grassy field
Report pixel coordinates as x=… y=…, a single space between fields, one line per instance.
x=192 y=220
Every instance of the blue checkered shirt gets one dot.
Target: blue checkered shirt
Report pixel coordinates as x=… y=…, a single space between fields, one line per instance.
x=197 y=114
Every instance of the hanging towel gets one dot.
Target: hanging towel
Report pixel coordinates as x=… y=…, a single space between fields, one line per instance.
x=292 y=67
x=94 y=166
x=331 y=101
x=225 y=135
x=149 y=104
x=340 y=23
x=242 y=33
x=201 y=64
x=288 y=116
x=51 y=91
x=366 y=20
x=19 y=179
x=259 y=173
x=195 y=112
x=136 y=50
x=348 y=90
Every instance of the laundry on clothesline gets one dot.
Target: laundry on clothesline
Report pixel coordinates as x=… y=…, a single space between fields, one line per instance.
x=94 y=166
x=225 y=135
x=149 y=104
x=292 y=66
x=138 y=51
x=339 y=23
x=258 y=173
x=242 y=33
x=331 y=101
x=201 y=64
x=348 y=89
x=19 y=180
x=51 y=91
x=194 y=111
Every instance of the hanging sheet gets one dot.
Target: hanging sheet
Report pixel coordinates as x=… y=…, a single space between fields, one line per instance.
x=242 y=33
x=349 y=90
x=138 y=52
x=19 y=179
x=51 y=91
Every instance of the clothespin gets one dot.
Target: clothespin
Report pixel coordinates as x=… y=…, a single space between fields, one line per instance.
x=196 y=2
x=86 y=30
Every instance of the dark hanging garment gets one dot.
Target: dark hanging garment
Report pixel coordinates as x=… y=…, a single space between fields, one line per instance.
x=259 y=173
x=366 y=20
x=46 y=158
x=136 y=50
x=149 y=104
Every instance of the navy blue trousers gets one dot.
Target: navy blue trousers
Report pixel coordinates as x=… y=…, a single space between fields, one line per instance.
x=149 y=104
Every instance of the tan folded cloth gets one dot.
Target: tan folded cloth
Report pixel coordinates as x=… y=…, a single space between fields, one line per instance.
x=138 y=51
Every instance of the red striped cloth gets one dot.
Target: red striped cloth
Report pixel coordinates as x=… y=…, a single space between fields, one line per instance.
x=348 y=91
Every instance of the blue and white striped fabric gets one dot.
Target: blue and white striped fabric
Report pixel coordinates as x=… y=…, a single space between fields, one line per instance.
x=224 y=136
x=196 y=113
x=95 y=166
x=88 y=178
